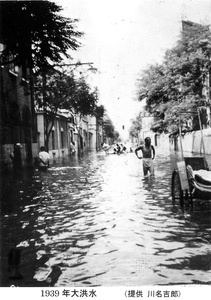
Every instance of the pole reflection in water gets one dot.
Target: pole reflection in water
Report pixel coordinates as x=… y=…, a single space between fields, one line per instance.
x=97 y=222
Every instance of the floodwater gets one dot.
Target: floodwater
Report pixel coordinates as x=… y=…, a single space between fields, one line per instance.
x=96 y=222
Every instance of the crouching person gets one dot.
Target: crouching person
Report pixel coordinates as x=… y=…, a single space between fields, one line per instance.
x=44 y=158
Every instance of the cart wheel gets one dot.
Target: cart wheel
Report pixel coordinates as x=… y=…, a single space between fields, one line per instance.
x=176 y=191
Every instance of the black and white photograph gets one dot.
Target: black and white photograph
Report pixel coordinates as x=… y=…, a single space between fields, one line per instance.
x=105 y=146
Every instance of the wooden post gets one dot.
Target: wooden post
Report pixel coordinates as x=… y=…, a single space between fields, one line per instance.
x=181 y=165
x=202 y=137
x=180 y=136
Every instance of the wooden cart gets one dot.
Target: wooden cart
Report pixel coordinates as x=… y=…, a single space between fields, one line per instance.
x=185 y=183
x=191 y=185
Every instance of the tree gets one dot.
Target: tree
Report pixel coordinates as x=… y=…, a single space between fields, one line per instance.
x=35 y=32
x=109 y=129
x=136 y=126
x=177 y=84
x=58 y=90
x=100 y=112
x=84 y=99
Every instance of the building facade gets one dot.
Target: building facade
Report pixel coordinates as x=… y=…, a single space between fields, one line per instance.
x=18 y=132
x=70 y=134
x=22 y=126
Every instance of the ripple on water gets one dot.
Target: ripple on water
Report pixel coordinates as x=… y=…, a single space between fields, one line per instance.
x=96 y=222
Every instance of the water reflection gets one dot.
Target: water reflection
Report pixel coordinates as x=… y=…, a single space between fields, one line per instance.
x=96 y=221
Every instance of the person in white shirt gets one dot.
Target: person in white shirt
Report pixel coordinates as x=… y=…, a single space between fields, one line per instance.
x=44 y=157
x=106 y=147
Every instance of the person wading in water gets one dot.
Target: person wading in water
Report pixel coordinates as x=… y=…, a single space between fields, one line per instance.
x=148 y=155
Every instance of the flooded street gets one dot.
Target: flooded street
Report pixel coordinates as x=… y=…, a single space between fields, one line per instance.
x=96 y=222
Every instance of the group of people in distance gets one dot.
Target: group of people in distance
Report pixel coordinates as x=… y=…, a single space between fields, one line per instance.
x=117 y=148
x=120 y=148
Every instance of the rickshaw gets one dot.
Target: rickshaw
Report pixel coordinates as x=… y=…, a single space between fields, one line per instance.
x=192 y=178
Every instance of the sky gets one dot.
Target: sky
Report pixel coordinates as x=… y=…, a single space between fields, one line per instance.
x=121 y=38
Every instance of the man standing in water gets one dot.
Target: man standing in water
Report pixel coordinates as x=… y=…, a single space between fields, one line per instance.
x=148 y=155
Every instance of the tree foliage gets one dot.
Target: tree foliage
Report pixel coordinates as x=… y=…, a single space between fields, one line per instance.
x=100 y=113
x=34 y=31
x=177 y=84
x=136 y=126
x=54 y=91
x=84 y=99
x=109 y=129
x=58 y=90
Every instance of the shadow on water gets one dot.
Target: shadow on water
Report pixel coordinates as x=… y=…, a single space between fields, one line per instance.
x=19 y=192
x=25 y=195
